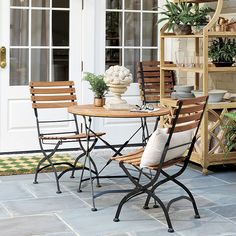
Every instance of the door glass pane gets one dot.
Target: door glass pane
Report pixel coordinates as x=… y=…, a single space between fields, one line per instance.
x=149 y=54
x=150 y=5
x=19 y=27
x=113 y=31
x=39 y=64
x=40 y=28
x=60 y=65
x=19 y=3
x=132 y=29
x=19 y=61
x=114 y=4
x=60 y=28
x=149 y=29
x=132 y=5
x=40 y=3
x=131 y=56
x=113 y=57
x=60 y=3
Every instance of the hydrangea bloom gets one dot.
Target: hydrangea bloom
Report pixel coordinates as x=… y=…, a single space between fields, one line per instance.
x=117 y=75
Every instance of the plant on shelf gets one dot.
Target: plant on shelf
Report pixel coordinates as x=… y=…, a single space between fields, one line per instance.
x=178 y=17
x=181 y=16
x=98 y=86
x=222 y=51
x=200 y=18
x=230 y=132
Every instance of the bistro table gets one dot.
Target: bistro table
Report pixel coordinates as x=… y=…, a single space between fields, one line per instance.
x=88 y=112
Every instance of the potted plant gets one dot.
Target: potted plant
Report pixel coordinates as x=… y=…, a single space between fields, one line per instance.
x=98 y=86
x=180 y=17
x=200 y=18
x=222 y=51
x=230 y=132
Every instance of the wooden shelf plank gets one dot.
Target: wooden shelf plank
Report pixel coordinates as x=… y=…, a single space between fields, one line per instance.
x=222 y=69
x=184 y=69
x=172 y=35
x=225 y=33
x=194 y=1
x=221 y=105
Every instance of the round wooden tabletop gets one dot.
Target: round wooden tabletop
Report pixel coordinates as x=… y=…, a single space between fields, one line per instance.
x=92 y=111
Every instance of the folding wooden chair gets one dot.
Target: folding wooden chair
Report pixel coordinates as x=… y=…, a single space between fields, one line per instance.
x=166 y=147
x=148 y=75
x=52 y=96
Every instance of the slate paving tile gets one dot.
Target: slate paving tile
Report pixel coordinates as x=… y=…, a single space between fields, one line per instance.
x=13 y=191
x=202 y=182
x=98 y=223
x=209 y=224
x=222 y=195
x=33 y=225
x=43 y=205
x=3 y=213
x=228 y=211
x=46 y=189
x=25 y=178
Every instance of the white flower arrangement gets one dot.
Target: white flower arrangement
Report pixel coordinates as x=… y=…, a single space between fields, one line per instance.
x=117 y=75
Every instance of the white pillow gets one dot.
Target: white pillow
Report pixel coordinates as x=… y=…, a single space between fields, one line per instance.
x=155 y=146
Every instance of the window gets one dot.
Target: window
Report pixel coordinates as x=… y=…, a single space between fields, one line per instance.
x=39 y=41
x=131 y=32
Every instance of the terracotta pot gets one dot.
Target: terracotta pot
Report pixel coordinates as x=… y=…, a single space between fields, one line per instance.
x=99 y=102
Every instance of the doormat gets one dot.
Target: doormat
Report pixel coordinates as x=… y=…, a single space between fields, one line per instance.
x=27 y=164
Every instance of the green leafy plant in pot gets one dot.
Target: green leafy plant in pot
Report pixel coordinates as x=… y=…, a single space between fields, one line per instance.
x=200 y=18
x=98 y=86
x=230 y=132
x=222 y=51
x=178 y=17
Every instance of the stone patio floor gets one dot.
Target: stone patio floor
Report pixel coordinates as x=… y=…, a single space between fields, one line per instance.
x=27 y=209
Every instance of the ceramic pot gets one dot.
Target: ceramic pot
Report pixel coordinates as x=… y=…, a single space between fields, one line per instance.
x=99 y=102
x=223 y=64
x=182 y=29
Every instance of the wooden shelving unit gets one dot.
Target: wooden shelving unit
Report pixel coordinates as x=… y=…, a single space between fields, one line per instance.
x=206 y=156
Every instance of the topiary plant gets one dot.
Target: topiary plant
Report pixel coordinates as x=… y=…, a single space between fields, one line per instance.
x=98 y=85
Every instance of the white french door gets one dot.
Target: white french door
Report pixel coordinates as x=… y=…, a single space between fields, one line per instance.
x=130 y=35
x=43 y=43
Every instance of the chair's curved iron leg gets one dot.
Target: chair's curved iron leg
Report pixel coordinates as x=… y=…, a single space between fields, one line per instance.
x=38 y=169
x=170 y=227
x=82 y=174
x=127 y=197
x=197 y=215
x=46 y=157
x=75 y=163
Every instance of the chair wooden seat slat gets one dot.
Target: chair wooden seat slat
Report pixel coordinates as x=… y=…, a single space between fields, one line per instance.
x=52 y=90
x=75 y=136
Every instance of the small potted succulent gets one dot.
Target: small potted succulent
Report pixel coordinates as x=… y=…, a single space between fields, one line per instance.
x=222 y=51
x=98 y=86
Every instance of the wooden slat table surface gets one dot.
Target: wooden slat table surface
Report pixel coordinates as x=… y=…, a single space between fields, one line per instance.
x=92 y=111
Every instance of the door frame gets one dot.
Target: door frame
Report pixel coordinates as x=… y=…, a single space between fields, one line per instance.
x=74 y=74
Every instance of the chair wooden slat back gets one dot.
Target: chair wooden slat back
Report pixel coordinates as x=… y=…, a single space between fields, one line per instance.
x=148 y=75
x=188 y=114
x=62 y=94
